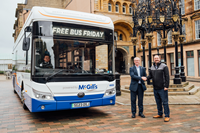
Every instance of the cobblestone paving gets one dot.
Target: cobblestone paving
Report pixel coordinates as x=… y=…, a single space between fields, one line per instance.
x=184 y=118
x=124 y=99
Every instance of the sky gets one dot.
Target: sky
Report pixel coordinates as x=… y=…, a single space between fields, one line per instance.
x=7 y=15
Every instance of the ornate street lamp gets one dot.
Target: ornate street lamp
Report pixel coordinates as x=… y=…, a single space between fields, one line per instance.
x=158 y=15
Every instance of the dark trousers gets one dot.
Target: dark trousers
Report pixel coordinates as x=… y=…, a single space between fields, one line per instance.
x=140 y=94
x=161 y=97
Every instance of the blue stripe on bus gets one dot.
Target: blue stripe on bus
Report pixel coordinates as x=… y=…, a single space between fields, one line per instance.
x=51 y=105
x=68 y=98
x=18 y=89
x=107 y=100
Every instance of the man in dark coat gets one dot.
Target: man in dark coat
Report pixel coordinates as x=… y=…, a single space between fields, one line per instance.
x=137 y=86
x=160 y=75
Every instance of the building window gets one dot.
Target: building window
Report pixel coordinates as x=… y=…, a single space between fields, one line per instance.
x=199 y=60
x=184 y=32
x=169 y=37
x=190 y=63
x=116 y=36
x=158 y=39
x=196 y=4
x=197 y=29
x=130 y=9
x=183 y=7
x=120 y=37
x=117 y=8
x=109 y=7
x=162 y=58
x=124 y=9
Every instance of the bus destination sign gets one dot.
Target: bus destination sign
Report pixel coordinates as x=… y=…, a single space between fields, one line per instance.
x=86 y=33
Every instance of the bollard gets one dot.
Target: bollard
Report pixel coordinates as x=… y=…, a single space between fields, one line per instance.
x=118 y=86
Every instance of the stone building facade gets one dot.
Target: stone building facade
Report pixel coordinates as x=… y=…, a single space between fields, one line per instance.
x=22 y=11
x=120 y=11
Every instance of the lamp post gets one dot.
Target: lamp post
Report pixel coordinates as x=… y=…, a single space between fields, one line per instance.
x=181 y=39
x=175 y=34
x=149 y=38
x=177 y=79
x=134 y=38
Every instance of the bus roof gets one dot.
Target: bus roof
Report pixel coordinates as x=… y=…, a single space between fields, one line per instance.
x=65 y=16
x=69 y=16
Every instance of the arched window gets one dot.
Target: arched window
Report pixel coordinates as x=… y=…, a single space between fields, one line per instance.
x=117 y=8
x=130 y=9
x=169 y=37
x=120 y=37
x=124 y=9
x=109 y=7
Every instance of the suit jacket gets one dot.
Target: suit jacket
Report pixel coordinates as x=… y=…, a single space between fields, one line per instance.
x=135 y=78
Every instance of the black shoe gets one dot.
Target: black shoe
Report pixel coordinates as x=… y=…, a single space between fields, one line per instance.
x=142 y=115
x=133 y=115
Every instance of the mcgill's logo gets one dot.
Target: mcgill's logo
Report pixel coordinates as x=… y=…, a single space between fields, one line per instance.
x=88 y=87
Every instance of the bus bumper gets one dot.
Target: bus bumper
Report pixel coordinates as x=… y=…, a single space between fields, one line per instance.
x=52 y=105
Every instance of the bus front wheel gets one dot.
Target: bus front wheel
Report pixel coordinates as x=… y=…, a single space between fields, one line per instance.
x=15 y=91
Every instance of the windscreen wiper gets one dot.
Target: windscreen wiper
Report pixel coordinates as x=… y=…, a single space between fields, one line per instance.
x=110 y=77
x=49 y=77
x=83 y=70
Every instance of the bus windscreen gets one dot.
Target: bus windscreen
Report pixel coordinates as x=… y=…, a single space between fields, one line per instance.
x=76 y=57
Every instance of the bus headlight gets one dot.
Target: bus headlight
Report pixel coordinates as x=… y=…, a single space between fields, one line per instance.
x=42 y=95
x=109 y=92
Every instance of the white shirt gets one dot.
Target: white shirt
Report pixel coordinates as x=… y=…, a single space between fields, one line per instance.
x=138 y=71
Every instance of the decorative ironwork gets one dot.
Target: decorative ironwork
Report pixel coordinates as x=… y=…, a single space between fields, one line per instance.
x=161 y=16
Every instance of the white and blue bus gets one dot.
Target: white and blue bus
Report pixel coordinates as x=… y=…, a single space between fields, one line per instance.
x=64 y=60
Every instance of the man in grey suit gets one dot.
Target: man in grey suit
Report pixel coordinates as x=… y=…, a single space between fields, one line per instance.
x=137 y=86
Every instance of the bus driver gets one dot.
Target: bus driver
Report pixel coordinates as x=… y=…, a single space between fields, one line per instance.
x=46 y=63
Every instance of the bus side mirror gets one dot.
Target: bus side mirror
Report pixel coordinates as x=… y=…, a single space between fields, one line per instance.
x=26 y=44
x=26 y=41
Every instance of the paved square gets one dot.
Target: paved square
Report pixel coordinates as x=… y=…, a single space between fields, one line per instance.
x=184 y=118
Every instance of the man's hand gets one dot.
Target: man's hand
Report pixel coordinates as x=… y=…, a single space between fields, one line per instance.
x=144 y=78
x=165 y=88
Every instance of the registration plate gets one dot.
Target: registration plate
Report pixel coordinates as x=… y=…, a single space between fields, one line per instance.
x=75 y=105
